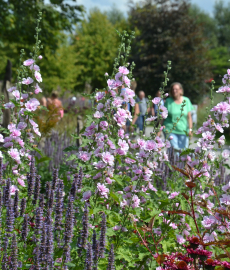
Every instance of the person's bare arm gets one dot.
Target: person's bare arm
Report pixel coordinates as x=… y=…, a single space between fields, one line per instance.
x=136 y=112
x=190 y=123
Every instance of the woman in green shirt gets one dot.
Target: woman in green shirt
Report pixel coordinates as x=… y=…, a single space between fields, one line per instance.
x=179 y=139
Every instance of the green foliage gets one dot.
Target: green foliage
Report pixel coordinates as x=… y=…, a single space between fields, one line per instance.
x=95 y=43
x=166 y=31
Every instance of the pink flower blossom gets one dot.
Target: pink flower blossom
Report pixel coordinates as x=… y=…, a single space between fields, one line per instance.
x=13 y=189
x=151 y=119
x=225 y=154
x=35 y=67
x=104 y=125
x=100 y=106
x=1 y=138
x=14 y=153
x=156 y=100
x=123 y=145
x=8 y=144
x=123 y=70
x=28 y=62
x=15 y=133
x=226 y=187
x=38 y=76
x=84 y=156
x=106 y=74
x=164 y=112
x=103 y=190
x=98 y=114
x=40 y=57
x=136 y=201
x=117 y=228
x=27 y=81
x=225 y=199
x=100 y=95
x=126 y=80
x=86 y=195
x=25 y=96
x=21 y=182
x=208 y=222
x=108 y=158
x=16 y=94
x=37 y=89
x=32 y=104
x=173 y=195
x=9 y=105
x=11 y=89
x=180 y=239
x=21 y=125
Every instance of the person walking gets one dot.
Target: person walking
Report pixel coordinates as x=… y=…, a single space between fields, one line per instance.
x=179 y=140
x=143 y=107
x=54 y=104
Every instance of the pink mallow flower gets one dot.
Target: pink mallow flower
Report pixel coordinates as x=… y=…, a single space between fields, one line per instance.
x=123 y=70
x=32 y=104
x=104 y=125
x=21 y=182
x=13 y=189
x=108 y=158
x=156 y=100
x=103 y=190
x=180 y=239
x=38 y=76
x=37 y=89
x=1 y=138
x=40 y=57
x=86 y=195
x=173 y=195
x=225 y=199
x=27 y=81
x=28 y=62
x=84 y=156
x=9 y=105
x=16 y=94
x=14 y=154
x=208 y=222
x=136 y=201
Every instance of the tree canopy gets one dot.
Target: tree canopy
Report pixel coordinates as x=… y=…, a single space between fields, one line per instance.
x=166 y=31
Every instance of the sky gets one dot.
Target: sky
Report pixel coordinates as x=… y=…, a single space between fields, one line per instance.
x=205 y=5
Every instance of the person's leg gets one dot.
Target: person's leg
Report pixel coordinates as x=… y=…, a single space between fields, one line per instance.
x=140 y=122
x=183 y=141
x=143 y=122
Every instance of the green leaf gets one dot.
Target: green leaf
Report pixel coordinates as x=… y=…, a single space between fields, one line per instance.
x=186 y=152
x=70 y=264
x=70 y=148
x=118 y=179
x=110 y=232
x=43 y=159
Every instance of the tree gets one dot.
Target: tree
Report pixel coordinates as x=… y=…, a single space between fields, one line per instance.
x=222 y=17
x=95 y=43
x=166 y=31
x=18 y=20
x=17 y=24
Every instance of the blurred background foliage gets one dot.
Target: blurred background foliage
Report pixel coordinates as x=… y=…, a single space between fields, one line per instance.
x=80 y=47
